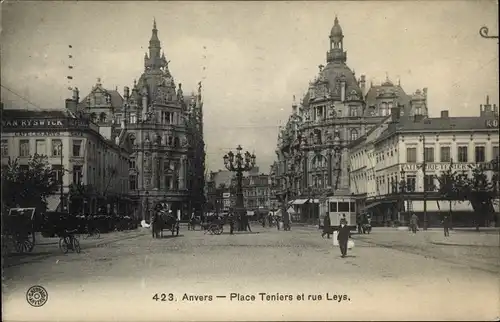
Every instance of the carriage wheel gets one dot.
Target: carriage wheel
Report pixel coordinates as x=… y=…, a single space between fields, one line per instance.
x=221 y=230
x=76 y=245
x=31 y=240
x=63 y=246
x=28 y=246
x=97 y=234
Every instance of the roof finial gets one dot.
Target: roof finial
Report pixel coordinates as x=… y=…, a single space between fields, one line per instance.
x=336 y=21
x=386 y=76
x=154 y=23
x=487 y=99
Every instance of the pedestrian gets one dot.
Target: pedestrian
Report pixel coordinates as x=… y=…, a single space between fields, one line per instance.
x=414 y=223
x=286 y=220
x=359 y=221
x=247 y=224
x=344 y=233
x=231 y=223
x=327 y=229
x=277 y=219
x=446 y=226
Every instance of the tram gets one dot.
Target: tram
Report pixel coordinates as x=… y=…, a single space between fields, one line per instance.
x=338 y=208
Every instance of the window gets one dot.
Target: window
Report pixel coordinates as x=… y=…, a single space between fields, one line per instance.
x=353 y=111
x=132 y=179
x=168 y=182
x=333 y=207
x=56 y=148
x=383 y=109
x=429 y=154
x=343 y=207
x=462 y=154
x=354 y=135
x=24 y=148
x=494 y=153
x=480 y=154
x=133 y=118
x=77 y=174
x=429 y=183
x=24 y=168
x=445 y=155
x=58 y=171
x=41 y=147
x=131 y=164
x=77 y=147
x=411 y=183
x=411 y=155
x=352 y=207
x=5 y=148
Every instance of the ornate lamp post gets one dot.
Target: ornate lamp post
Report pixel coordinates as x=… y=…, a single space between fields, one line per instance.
x=239 y=163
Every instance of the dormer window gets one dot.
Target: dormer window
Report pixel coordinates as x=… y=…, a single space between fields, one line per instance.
x=102 y=117
x=383 y=109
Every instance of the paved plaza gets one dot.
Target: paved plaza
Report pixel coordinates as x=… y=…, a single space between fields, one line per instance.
x=390 y=274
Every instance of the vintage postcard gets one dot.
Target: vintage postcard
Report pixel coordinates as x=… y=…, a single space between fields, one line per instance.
x=241 y=160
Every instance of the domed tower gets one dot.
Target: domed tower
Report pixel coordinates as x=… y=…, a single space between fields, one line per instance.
x=336 y=53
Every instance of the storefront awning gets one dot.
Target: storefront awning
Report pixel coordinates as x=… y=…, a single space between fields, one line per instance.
x=313 y=200
x=372 y=205
x=299 y=201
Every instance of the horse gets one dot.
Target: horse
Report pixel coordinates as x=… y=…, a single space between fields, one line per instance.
x=164 y=220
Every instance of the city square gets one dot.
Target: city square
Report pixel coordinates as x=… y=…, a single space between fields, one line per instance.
x=389 y=274
x=226 y=161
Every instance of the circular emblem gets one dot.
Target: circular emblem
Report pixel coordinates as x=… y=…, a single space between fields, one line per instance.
x=37 y=296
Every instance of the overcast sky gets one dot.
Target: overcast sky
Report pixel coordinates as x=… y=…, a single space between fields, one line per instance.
x=252 y=56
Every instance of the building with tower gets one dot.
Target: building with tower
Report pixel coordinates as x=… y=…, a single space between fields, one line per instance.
x=165 y=129
x=338 y=108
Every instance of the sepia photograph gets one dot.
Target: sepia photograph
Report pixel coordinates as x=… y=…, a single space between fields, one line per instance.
x=250 y=160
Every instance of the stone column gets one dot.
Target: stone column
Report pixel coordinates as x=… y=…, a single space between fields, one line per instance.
x=155 y=170
x=329 y=156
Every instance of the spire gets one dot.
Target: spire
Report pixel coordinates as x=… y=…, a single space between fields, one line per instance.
x=154 y=43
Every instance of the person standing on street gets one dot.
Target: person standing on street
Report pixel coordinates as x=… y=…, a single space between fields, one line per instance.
x=326 y=227
x=343 y=237
x=414 y=223
x=446 y=226
x=286 y=220
x=231 y=224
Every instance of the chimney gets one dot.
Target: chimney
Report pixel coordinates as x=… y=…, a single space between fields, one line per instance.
x=495 y=110
x=445 y=114
x=76 y=95
x=418 y=117
x=395 y=114
x=71 y=105
x=294 y=106
x=126 y=92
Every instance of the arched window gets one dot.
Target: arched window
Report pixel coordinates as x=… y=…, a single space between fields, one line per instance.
x=354 y=135
x=176 y=142
x=170 y=140
x=93 y=117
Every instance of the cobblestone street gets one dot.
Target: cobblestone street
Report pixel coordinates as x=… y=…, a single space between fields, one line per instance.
x=388 y=275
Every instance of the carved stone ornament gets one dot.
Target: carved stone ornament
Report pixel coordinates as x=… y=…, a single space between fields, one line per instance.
x=184 y=141
x=148 y=161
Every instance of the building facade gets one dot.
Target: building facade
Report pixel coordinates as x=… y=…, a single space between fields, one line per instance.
x=79 y=154
x=387 y=172
x=257 y=191
x=166 y=130
x=338 y=108
x=219 y=191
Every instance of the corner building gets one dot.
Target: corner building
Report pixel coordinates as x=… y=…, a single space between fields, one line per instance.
x=338 y=108
x=166 y=130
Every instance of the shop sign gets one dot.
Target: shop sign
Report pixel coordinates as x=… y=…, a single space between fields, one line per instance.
x=445 y=166
x=37 y=133
x=43 y=123
x=492 y=123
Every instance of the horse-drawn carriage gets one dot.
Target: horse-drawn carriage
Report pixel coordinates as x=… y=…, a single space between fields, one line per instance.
x=164 y=219
x=19 y=229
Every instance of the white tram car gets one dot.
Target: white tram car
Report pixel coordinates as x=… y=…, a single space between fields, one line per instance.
x=339 y=207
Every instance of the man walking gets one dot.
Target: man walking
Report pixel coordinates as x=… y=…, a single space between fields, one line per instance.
x=446 y=226
x=343 y=237
x=414 y=223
